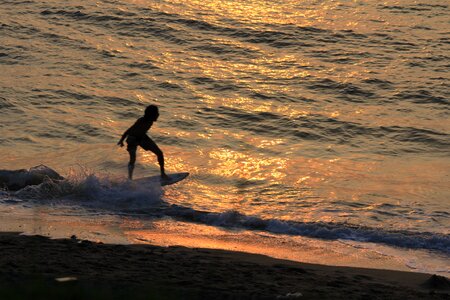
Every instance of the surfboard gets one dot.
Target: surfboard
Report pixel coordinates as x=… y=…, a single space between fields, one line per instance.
x=173 y=178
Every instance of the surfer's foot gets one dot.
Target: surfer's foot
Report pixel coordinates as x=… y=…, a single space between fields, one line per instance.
x=165 y=177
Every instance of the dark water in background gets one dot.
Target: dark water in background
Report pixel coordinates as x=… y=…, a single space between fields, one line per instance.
x=320 y=119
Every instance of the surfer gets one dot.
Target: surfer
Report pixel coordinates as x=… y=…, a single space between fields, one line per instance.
x=137 y=136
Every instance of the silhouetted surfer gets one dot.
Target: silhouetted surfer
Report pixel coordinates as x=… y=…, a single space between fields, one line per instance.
x=137 y=136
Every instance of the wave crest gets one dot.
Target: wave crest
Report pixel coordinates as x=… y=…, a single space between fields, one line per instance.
x=328 y=231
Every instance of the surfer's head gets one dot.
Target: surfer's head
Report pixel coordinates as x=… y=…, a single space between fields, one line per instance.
x=151 y=113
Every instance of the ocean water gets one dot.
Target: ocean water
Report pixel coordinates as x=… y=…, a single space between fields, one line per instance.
x=316 y=129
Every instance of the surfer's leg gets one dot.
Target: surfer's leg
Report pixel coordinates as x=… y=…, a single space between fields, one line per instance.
x=131 y=164
x=148 y=144
x=132 y=151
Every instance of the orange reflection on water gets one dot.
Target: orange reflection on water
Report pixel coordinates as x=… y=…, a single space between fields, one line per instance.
x=252 y=12
x=237 y=164
x=247 y=104
x=265 y=143
x=164 y=233
x=252 y=105
x=334 y=15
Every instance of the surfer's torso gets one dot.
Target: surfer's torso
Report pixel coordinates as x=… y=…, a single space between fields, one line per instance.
x=140 y=128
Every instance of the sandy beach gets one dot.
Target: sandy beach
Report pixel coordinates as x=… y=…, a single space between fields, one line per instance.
x=37 y=267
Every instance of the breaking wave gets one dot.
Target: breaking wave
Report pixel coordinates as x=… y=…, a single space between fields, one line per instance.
x=86 y=190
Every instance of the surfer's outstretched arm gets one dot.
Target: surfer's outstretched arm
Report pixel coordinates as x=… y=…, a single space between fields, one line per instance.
x=124 y=135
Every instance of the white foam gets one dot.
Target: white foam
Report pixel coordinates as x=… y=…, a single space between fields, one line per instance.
x=89 y=189
x=328 y=231
x=17 y=179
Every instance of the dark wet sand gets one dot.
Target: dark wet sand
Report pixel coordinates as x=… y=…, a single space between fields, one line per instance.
x=29 y=266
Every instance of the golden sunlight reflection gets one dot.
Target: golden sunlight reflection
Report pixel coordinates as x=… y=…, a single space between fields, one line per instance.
x=251 y=105
x=307 y=250
x=236 y=164
x=253 y=13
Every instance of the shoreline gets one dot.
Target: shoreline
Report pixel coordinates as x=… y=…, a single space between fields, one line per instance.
x=31 y=265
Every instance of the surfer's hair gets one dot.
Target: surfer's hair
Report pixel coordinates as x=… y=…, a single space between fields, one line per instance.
x=151 y=111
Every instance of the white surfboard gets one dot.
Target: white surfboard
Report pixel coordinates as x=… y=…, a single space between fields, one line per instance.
x=173 y=178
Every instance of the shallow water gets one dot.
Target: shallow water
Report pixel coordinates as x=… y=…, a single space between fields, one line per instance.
x=323 y=120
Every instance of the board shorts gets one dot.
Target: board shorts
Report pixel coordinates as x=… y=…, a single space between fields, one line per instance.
x=145 y=142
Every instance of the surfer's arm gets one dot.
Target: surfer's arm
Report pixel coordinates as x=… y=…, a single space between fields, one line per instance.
x=124 y=135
